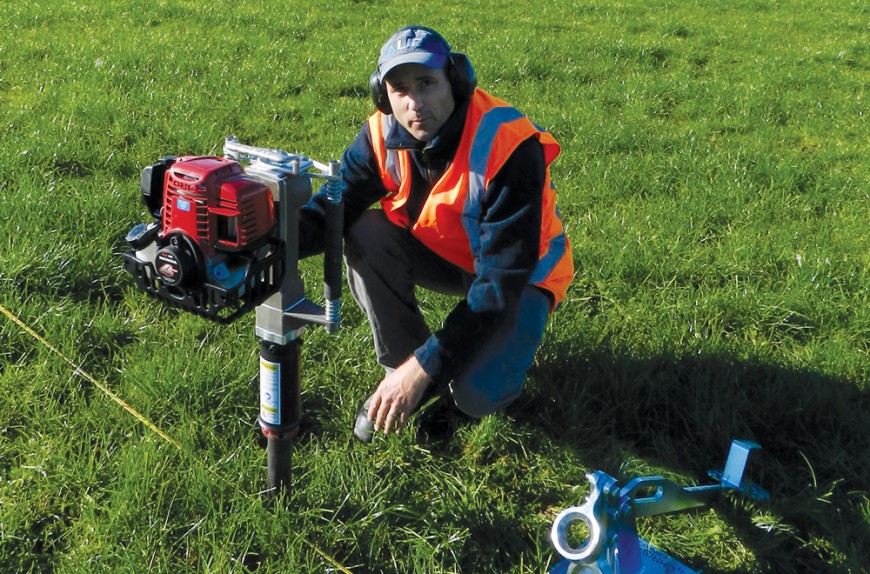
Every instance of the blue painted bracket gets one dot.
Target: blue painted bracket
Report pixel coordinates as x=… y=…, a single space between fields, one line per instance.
x=610 y=512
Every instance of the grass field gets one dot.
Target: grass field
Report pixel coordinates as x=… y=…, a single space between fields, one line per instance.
x=714 y=179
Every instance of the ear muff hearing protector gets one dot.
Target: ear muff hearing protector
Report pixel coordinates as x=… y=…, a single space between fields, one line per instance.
x=460 y=73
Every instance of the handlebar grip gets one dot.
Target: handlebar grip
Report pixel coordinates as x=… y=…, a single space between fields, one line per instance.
x=332 y=254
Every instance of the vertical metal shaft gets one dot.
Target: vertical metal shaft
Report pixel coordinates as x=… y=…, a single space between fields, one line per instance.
x=278 y=464
x=280 y=406
x=282 y=318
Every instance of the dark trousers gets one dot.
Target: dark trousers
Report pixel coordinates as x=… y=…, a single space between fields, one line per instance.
x=385 y=264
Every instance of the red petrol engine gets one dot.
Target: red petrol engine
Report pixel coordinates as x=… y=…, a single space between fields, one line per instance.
x=210 y=248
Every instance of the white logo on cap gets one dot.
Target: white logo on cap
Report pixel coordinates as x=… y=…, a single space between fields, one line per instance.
x=405 y=43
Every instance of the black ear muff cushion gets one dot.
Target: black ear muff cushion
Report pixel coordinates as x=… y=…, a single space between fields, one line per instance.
x=462 y=75
x=379 y=93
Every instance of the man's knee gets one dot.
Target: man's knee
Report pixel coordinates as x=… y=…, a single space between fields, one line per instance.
x=496 y=376
x=358 y=236
x=371 y=234
x=478 y=402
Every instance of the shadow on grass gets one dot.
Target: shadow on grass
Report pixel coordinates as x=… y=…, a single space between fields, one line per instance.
x=680 y=413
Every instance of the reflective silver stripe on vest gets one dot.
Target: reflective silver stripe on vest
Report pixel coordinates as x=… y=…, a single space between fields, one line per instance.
x=478 y=158
x=556 y=249
x=392 y=160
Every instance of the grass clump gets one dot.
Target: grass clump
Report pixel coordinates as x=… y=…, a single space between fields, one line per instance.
x=714 y=185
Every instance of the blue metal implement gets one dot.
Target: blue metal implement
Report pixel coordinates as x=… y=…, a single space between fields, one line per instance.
x=610 y=511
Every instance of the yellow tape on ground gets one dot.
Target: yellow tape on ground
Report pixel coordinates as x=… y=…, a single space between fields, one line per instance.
x=86 y=375
x=328 y=558
x=140 y=417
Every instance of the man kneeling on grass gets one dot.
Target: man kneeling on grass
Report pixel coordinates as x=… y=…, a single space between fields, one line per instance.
x=467 y=209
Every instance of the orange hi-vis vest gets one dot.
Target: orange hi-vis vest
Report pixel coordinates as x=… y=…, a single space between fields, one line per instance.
x=449 y=221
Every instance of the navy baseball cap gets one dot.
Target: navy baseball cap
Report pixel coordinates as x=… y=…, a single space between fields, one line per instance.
x=413 y=45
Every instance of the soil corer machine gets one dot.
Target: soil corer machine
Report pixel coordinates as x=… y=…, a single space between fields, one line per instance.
x=223 y=241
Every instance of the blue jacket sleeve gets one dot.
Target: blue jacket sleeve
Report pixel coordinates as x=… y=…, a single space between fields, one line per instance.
x=510 y=237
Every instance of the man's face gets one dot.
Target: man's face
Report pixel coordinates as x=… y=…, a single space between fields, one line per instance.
x=421 y=98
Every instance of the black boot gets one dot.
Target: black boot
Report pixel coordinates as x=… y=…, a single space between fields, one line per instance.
x=441 y=421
